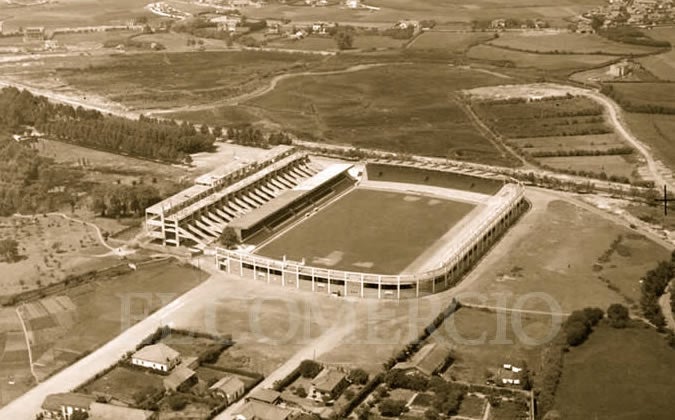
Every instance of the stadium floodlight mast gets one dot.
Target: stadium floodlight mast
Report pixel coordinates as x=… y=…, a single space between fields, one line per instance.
x=665 y=200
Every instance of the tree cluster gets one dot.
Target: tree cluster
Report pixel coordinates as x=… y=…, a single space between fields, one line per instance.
x=580 y=324
x=27 y=180
x=654 y=284
x=9 y=250
x=397 y=378
x=249 y=136
x=146 y=137
x=309 y=368
x=123 y=200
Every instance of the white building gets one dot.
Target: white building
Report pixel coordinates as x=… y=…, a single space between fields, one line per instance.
x=156 y=356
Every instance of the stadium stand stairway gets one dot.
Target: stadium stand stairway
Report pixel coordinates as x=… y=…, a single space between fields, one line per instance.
x=206 y=228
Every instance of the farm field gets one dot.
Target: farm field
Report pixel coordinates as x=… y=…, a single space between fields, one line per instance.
x=548 y=118
x=14 y=362
x=361 y=109
x=442 y=11
x=51 y=248
x=645 y=94
x=612 y=165
x=540 y=255
x=622 y=373
x=125 y=384
x=73 y=13
x=566 y=63
x=178 y=41
x=662 y=65
x=369 y=245
x=481 y=346
x=66 y=327
x=310 y=43
x=450 y=41
x=174 y=79
x=657 y=131
x=600 y=142
x=91 y=39
x=547 y=42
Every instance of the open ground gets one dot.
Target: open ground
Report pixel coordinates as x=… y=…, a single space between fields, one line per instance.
x=618 y=373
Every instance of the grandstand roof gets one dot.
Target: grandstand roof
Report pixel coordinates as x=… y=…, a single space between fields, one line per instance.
x=255 y=216
x=214 y=196
x=206 y=182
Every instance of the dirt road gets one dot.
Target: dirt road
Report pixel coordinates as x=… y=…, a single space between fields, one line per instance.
x=265 y=89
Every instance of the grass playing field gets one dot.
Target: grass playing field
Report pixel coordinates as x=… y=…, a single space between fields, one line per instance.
x=618 y=373
x=370 y=231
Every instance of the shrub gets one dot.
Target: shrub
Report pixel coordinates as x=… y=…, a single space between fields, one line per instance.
x=177 y=402
x=392 y=408
x=618 y=315
x=309 y=368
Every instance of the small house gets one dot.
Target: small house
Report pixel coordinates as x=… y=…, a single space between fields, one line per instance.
x=268 y=396
x=328 y=383
x=256 y=410
x=64 y=405
x=180 y=379
x=429 y=360
x=229 y=388
x=156 y=356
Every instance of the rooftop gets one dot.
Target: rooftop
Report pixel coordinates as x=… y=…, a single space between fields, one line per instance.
x=328 y=380
x=228 y=384
x=54 y=402
x=212 y=195
x=255 y=216
x=427 y=360
x=178 y=377
x=101 y=411
x=265 y=395
x=158 y=353
x=256 y=410
x=204 y=183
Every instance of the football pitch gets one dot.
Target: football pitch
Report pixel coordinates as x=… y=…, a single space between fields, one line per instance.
x=370 y=231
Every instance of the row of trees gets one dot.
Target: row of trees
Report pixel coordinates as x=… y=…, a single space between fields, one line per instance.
x=146 y=137
x=249 y=136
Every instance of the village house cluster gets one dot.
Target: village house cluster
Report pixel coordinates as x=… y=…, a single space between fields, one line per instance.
x=641 y=13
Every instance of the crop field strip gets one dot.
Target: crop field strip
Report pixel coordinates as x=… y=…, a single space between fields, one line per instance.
x=564 y=134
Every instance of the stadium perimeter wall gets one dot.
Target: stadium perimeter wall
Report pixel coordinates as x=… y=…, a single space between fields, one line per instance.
x=469 y=246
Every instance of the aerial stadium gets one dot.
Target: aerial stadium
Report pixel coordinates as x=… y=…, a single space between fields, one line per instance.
x=370 y=229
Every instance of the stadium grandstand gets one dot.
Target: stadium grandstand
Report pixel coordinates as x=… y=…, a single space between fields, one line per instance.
x=197 y=215
x=256 y=225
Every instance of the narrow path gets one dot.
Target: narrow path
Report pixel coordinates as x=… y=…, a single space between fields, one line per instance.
x=30 y=352
x=266 y=89
x=520 y=311
x=664 y=302
x=92 y=225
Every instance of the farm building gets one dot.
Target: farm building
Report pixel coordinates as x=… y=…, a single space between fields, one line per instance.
x=34 y=34
x=101 y=411
x=181 y=378
x=156 y=356
x=429 y=360
x=330 y=383
x=256 y=410
x=62 y=406
x=230 y=388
